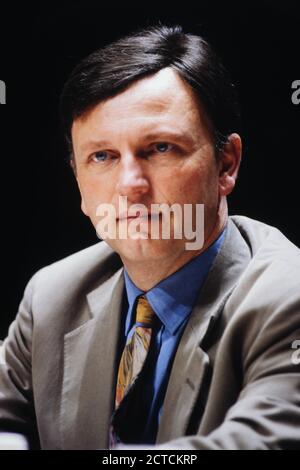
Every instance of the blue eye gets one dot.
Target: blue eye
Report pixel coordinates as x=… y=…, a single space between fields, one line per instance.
x=99 y=156
x=162 y=147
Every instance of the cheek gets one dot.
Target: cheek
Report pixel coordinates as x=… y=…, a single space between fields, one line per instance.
x=92 y=189
x=194 y=184
x=91 y=197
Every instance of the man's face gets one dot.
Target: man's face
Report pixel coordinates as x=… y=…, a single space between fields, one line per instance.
x=150 y=143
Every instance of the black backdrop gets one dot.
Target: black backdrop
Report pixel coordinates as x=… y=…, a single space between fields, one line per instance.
x=39 y=44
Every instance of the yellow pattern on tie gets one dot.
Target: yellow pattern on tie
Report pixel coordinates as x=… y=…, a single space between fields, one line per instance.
x=136 y=349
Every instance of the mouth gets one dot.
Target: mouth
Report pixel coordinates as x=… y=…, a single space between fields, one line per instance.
x=138 y=215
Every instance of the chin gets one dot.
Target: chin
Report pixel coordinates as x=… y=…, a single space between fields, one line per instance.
x=144 y=250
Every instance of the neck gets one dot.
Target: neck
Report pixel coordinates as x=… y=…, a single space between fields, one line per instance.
x=147 y=273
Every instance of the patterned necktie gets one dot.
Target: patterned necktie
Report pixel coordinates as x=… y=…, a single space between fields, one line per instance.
x=133 y=359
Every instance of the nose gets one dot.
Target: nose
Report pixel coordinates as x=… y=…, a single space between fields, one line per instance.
x=132 y=181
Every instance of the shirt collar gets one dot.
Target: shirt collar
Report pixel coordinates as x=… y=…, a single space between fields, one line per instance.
x=177 y=293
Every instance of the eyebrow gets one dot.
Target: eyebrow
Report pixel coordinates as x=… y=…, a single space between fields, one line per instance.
x=182 y=137
x=94 y=144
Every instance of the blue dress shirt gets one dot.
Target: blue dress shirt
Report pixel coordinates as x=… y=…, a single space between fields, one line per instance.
x=172 y=299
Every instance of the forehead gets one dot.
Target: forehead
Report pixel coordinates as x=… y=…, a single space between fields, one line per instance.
x=162 y=99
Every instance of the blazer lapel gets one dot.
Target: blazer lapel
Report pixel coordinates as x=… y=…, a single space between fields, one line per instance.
x=191 y=370
x=89 y=369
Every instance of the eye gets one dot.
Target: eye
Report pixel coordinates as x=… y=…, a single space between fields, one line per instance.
x=162 y=147
x=99 y=156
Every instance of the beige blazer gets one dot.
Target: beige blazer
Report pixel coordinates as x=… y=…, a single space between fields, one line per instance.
x=234 y=384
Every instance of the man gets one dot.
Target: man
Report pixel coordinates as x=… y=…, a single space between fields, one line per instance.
x=153 y=119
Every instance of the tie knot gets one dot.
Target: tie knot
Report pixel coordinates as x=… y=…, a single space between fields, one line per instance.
x=144 y=312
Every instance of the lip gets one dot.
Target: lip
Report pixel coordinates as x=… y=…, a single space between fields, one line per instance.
x=139 y=215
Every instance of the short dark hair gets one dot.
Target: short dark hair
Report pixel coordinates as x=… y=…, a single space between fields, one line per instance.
x=108 y=71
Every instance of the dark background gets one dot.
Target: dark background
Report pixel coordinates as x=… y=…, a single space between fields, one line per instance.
x=41 y=220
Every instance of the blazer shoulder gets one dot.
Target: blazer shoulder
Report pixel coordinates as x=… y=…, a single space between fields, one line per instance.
x=77 y=271
x=267 y=242
x=269 y=286
x=270 y=283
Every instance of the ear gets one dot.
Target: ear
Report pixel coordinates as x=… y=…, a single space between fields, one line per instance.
x=230 y=159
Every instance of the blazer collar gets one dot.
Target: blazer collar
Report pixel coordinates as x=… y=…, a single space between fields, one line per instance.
x=89 y=369
x=191 y=367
